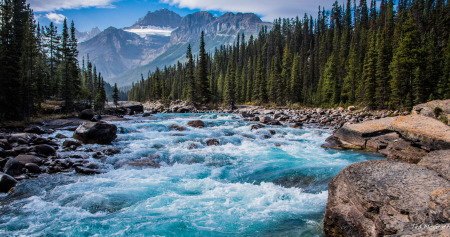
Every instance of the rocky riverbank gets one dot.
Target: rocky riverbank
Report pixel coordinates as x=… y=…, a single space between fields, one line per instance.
x=407 y=194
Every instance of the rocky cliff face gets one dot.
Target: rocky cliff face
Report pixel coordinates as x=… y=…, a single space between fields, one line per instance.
x=407 y=194
x=161 y=18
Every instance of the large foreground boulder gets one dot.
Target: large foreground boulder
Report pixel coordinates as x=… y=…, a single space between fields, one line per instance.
x=6 y=182
x=379 y=198
x=96 y=133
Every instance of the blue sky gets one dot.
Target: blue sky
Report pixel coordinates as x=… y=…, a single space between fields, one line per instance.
x=122 y=13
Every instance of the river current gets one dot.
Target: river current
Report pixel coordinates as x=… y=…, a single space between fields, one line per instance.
x=253 y=183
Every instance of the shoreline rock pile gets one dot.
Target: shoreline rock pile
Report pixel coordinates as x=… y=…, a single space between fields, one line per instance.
x=406 y=194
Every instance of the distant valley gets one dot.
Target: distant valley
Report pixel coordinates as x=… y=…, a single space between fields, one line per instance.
x=158 y=39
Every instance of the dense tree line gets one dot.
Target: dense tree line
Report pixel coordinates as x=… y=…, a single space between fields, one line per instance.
x=38 y=63
x=379 y=57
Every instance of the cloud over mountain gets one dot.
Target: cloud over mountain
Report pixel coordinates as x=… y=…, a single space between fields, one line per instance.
x=267 y=9
x=52 y=5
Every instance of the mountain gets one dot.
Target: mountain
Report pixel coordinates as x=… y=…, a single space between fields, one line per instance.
x=161 y=18
x=219 y=31
x=86 y=35
x=160 y=38
x=114 y=51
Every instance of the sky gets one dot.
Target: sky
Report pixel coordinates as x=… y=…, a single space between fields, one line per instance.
x=88 y=14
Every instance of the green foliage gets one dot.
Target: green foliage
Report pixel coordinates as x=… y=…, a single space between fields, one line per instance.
x=355 y=54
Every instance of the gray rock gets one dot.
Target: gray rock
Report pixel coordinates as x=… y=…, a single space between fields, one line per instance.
x=87 y=171
x=86 y=114
x=33 y=168
x=34 y=129
x=403 y=150
x=26 y=159
x=45 y=150
x=378 y=198
x=196 y=124
x=13 y=167
x=212 y=142
x=6 y=182
x=96 y=133
x=438 y=161
x=71 y=142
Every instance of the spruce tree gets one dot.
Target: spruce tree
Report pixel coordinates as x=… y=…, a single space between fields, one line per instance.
x=190 y=78
x=115 y=95
x=202 y=84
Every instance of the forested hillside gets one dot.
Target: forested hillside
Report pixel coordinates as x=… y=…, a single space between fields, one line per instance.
x=38 y=63
x=393 y=56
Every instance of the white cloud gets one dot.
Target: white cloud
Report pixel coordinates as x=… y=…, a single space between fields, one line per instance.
x=55 y=17
x=267 y=9
x=52 y=5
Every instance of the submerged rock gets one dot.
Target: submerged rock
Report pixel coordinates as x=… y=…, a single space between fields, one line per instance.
x=177 y=127
x=96 y=133
x=6 y=182
x=377 y=198
x=196 y=124
x=212 y=142
x=71 y=143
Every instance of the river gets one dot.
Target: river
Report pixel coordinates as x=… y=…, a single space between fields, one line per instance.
x=253 y=183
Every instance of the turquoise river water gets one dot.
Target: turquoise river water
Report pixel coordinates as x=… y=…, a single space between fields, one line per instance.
x=248 y=185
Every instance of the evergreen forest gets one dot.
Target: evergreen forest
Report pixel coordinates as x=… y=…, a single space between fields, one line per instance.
x=39 y=64
x=392 y=55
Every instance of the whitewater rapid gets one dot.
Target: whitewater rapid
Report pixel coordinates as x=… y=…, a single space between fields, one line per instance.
x=252 y=184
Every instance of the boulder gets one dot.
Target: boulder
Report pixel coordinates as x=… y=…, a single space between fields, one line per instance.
x=33 y=168
x=96 y=133
x=43 y=140
x=71 y=142
x=26 y=159
x=34 y=129
x=111 y=151
x=5 y=144
x=13 y=167
x=212 y=142
x=438 y=161
x=20 y=138
x=381 y=142
x=379 y=198
x=45 y=150
x=86 y=114
x=6 y=183
x=428 y=109
x=21 y=149
x=423 y=130
x=60 y=136
x=354 y=136
x=196 y=124
x=177 y=127
x=403 y=150
x=257 y=126
x=297 y=125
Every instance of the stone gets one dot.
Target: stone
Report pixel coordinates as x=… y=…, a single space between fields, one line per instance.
x=381 y=142
x=247 y=115
x=87 y=171
x=111 y=151
x=86 y=114
x=25 y=159
x=438 y=161
x=45 y=150
x=403 y=150
x=424 y=130
x=427 y=109
x=20 y=138
x=379 y=198
x=42 y=140
x=71 y=142
x=33 y=168
x=13 y=167
x=61 y=136
x=21 y=149
x=196 y=124
x=297 y=125
x=34 y=129
x=212 y=142
x=177 y=127
x=96 y=133
x=6 y=183
x=5 y=144
x=351 y=108
x=257 y=126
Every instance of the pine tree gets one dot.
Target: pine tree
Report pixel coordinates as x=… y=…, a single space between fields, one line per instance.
x=369 y=72
x=190 y=76
x=295 y=82
x=202 y=74
x=115 y=95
